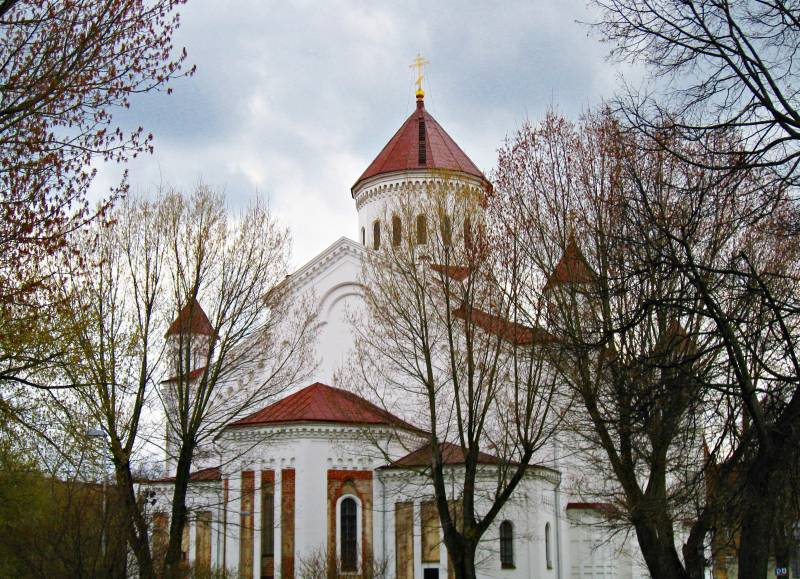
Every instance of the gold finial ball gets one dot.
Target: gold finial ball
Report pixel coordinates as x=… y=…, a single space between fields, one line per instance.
x=420 y=94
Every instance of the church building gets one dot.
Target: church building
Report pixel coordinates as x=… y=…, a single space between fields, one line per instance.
x=324 y=483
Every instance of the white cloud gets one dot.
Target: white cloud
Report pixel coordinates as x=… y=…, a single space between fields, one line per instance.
x=294 y=99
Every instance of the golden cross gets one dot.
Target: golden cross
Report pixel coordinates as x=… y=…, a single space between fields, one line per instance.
x=419 y=63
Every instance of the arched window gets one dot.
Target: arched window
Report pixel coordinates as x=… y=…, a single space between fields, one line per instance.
x=547 y=549
x=467 y=233
x=363 y=236
x=348 y=535
x=422 y=230
x=447 y=230
x=506 y=545
x=376 y=235
x=397 y=231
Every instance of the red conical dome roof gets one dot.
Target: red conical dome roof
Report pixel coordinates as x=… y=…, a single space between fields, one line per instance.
x=191 y=320
x=420 y=143
x=571 y=268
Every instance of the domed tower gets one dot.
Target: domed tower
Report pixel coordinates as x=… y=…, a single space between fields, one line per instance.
x=191 y=332
x=417 y=159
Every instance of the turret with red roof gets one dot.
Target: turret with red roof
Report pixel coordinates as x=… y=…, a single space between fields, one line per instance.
x=418 y=157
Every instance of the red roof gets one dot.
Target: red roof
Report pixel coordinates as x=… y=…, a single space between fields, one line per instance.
x=675 y=341
x=420 y=147
x=189 y=377
x=571 y=268
x=456 y=272
x=202 y=475
x=191 y=320
x=451 y=454
x=513 y=332
x=323 y=403
x=605 y=507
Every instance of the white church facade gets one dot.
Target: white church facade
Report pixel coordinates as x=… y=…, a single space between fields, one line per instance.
x=325 y=483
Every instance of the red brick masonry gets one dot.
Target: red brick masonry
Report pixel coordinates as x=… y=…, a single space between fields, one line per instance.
x=287 y=523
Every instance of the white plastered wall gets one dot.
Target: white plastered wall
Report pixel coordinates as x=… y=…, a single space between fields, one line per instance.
x=529 y=510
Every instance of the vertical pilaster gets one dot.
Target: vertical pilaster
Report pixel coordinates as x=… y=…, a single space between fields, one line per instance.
x=287 y=523
x=257 y=518
x=266 y=524
x=232 y=531
x=404 y=540
x=278 y=525
x=246 y=525
x=223 y=526
x=191 y=521
x=417 y=517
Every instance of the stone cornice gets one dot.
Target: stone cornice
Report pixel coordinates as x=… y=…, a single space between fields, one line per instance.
x=341 y=247
x=383 y=186
x=486 y=472
x=313 y=430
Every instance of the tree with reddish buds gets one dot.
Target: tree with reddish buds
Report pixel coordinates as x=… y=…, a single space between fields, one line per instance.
x=449 y=334
x=671 y=291
x=65 y=68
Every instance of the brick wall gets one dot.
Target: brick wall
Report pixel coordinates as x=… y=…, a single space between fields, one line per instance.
x=287 y=523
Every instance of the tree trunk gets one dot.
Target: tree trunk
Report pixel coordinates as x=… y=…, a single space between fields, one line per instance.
x=783 y=546
x=693 y=549
x=135 y=522
x=758 y=518
x=659 y=554
x=464 y=561
x=172 y=560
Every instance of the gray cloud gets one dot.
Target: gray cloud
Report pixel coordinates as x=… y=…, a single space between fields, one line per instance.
x=293 y=99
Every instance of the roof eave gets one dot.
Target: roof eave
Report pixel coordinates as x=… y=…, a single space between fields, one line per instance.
x=361 y=183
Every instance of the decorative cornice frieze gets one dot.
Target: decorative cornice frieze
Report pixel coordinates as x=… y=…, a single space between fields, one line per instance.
x=386 y=186
x=311 y=430
x=341 y=247
x=533 y=472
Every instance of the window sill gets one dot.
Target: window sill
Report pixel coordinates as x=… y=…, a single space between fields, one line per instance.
x=508 y=566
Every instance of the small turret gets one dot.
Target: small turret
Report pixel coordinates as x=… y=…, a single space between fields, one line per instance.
x=570 y=307
x=193 y=331
x=421 y=158
x=191 y=320
x=571 y=269
x=188 y=339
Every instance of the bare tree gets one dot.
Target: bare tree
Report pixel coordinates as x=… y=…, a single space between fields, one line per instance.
x=258 y=343
x=745 y=270
x=115 y=347
x=635 y=341
x=155 y=260
x=65 y=69
x=730 y=65
x=449 y=336
x=676 y=244
x=720 y=64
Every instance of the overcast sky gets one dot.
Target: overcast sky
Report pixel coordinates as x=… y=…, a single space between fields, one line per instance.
x=293 y=99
